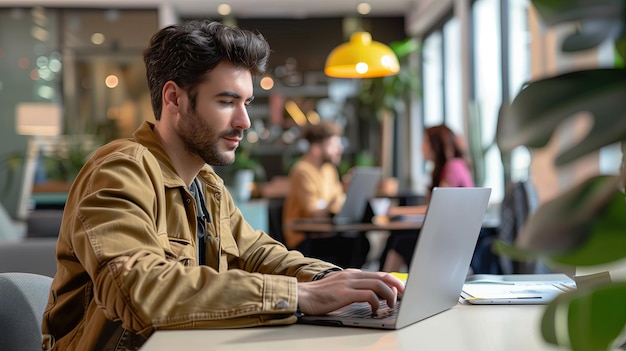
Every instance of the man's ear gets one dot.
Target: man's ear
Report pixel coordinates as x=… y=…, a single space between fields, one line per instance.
x=171 y=96
x=314 y=148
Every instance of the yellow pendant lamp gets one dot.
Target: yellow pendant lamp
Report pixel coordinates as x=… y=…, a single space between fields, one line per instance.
x=361 y=57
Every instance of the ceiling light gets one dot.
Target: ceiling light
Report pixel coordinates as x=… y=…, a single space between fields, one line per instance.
x=313 y=117
x=39 y=33
x=224 y=9
x=111 y=81
x=295 y=112
x=361 y=57
x=364 y=8
x=97 y=38
x=38 y=118
x=267 y=83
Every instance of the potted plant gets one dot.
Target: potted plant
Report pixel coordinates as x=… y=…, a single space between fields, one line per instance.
x=586 y=225
x=382 y=99
x=244 y=171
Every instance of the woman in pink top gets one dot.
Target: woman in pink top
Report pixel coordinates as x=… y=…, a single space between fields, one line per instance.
x=451 y=169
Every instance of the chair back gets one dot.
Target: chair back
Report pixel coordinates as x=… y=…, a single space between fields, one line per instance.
x=23 y=299
x=275 y=218
x=520 y=201
x=30 y=255
x=8 y=230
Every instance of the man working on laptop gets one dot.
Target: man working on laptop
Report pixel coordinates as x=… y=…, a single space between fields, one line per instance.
x=150 y=237
x=316 y=191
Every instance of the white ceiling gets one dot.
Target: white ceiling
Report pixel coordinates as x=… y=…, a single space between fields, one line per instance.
x=240 y=8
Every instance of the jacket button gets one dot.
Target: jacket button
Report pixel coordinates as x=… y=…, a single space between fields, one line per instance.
x=218 y=195
x=188 y=200
x=282 y=304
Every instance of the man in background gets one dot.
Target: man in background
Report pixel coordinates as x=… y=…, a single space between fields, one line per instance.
x=316 y=191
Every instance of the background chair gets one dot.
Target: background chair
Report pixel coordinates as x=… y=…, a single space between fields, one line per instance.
x=275 y=218
x=30 y=255
x=520 y=201
x=8 y=228
x=23 y=299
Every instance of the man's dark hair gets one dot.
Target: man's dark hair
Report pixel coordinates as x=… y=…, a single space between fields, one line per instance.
x=184 y=53
x=317 y=133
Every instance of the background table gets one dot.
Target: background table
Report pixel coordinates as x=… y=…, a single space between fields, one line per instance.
x=326 y=226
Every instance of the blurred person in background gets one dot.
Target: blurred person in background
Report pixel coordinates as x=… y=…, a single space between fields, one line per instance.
x=317 y=191
x=450 y=168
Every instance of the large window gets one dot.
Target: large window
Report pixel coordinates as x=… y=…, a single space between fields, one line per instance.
x=487 y=87
x=441 y=67
x=497 y=69
x=86 y=61
x=30 y=71
x=105 y=88
x=452 y=76
x=518 y=73
x=432 y=58
x=518 y=46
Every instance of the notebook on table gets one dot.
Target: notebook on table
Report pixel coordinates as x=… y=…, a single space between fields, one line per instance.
x=515 y=289
x=438 y=269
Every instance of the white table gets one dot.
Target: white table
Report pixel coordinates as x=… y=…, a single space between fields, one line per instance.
x=463 y=328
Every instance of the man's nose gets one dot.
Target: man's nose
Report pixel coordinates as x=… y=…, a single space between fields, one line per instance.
x=241 y=120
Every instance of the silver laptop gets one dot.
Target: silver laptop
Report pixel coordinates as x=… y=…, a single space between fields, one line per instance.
x=362 y=188
x=440 y=264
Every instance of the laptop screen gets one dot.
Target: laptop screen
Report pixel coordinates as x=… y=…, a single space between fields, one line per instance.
x=362 y=188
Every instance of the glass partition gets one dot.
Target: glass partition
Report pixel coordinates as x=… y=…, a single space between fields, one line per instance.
x=88 y=62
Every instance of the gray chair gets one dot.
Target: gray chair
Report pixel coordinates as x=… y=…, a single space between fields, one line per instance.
x=8 y=229
x=29 y=255
x=520 y=201
x=23 y=299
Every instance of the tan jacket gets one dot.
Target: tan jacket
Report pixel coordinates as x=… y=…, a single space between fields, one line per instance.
x=126 y=256
x=310 y=188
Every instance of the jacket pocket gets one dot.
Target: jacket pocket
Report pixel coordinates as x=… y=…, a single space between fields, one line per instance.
x=227 y=242
x=182 y=251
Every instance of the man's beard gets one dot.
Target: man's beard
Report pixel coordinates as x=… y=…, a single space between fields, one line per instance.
x=201 y=140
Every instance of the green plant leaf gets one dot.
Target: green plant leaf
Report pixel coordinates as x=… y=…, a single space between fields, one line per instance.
x=404 y=47
x=592 y=34
x=555 y=12
x=386 y=93
x=584 y=226
x=513 y=252
x=620 y=51
x=587 y=319
x=539 y=108
x=597 y=20
x=244 y=159
x=10 y=164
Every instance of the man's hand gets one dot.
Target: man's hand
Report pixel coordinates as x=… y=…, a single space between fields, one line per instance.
x=338 y=289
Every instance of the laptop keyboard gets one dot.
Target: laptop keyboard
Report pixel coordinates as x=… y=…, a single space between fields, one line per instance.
x=364 y=310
